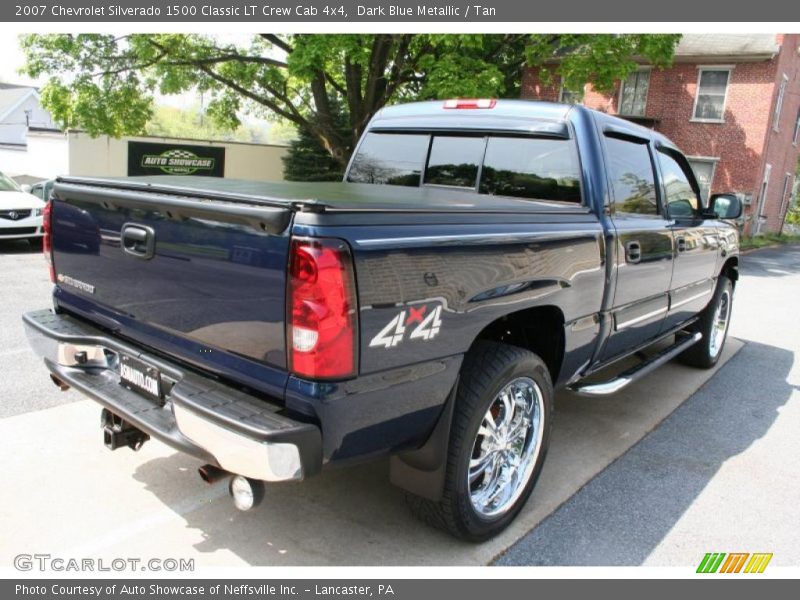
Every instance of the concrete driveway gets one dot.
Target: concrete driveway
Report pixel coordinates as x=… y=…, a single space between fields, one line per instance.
x=92 y=502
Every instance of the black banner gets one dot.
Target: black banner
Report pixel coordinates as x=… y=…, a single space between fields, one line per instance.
x=386 y=589
x=328 y=11
x=151 y=158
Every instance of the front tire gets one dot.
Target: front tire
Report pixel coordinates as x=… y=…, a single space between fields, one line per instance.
x=713 y=324
x=498 y=442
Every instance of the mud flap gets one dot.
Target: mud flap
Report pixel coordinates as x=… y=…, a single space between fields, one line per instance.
x=422 y=471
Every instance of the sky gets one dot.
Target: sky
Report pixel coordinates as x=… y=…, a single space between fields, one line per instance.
x=12 y=60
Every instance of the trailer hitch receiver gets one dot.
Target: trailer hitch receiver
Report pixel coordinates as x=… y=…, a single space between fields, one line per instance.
x=118 y=433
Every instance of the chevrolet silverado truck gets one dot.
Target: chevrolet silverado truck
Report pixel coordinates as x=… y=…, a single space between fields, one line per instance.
x=478 y=256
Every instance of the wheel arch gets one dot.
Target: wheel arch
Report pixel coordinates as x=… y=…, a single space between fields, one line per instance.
x=730 y=269
x=539 y=329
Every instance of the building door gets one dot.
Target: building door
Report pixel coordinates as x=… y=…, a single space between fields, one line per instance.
x=644 y=254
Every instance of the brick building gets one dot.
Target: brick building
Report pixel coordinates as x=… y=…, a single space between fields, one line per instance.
x=731 y=102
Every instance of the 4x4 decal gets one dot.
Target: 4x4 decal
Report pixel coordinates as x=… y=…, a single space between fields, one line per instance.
x=425 y=326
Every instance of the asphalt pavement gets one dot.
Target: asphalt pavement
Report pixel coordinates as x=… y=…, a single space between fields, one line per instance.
x=718 y=475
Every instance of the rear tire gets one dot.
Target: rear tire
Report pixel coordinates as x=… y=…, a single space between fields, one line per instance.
x=713 y=324
x=498 y=442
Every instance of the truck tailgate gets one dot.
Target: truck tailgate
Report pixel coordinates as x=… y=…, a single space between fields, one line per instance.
x=202 y=278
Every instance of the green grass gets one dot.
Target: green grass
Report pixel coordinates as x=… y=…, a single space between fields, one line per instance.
x=768 y=239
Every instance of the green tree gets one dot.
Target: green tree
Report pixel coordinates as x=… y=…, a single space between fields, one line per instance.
x=105 y=83
x=793 y=213
x=308 y=161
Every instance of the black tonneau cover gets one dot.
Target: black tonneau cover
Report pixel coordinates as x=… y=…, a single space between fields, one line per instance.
x=317 y=197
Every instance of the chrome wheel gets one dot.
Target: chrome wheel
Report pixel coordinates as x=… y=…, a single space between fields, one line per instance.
x=506 y=447
x=719 y=325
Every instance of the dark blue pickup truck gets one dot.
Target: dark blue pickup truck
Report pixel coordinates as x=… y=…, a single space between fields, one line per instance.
x=478 y=256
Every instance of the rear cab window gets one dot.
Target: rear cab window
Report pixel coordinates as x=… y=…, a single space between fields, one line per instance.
x=537 y=168
x=390 y=159
x=454 y=161
x=540 y=168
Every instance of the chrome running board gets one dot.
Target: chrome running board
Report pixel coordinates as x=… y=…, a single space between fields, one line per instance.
x=612 y=386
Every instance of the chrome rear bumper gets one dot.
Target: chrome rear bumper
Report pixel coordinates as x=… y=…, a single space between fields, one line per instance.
x=200 y=416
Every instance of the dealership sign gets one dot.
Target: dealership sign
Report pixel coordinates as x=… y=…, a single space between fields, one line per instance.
x=149 y=158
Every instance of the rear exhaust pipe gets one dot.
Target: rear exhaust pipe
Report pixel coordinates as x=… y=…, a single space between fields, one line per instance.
x=212 y=474
x=246 y=493
x=60 y=384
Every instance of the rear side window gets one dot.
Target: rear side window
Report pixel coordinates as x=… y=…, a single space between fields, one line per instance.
x=539 y=168
x=389 y=158
x=454 y=161
x=633 y=183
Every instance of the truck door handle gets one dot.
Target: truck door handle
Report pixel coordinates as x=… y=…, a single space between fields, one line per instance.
x=138 y=241
x=633 y=252
x=681 y=243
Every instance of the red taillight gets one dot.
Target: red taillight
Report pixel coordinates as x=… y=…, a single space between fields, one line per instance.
x=473 y=103
x=322 y=324
x=47 y=240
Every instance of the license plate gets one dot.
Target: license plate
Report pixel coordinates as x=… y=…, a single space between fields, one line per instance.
x=139 y=377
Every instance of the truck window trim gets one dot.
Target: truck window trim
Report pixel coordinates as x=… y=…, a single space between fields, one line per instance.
x=539 y=128
x=620 y=133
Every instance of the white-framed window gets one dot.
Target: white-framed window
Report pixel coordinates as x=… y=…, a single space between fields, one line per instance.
x=759 y=215
x=633 y=93
x=568 y=96
x=796 y=129
x=704 y=168
x=787 y=194
x=776 y=118
x=712 y=92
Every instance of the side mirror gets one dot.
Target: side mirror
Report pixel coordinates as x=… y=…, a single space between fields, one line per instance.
x=26 y=188
x=724 y=206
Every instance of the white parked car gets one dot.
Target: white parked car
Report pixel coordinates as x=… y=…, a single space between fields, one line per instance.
x=20 y=212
